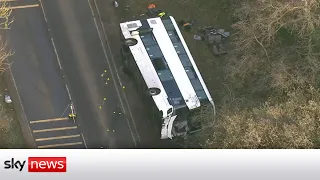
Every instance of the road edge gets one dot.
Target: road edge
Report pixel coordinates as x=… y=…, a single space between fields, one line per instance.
x=19 y=110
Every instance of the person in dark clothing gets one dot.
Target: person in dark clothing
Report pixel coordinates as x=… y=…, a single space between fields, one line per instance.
x=185 y=25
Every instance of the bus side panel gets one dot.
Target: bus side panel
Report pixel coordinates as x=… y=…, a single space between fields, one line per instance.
x=142 y=88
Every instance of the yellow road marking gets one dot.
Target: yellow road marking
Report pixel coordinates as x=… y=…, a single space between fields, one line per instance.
x=49 y=120
x=23 y=7
x=55 y=129
x=58 y=137
x=59 y=145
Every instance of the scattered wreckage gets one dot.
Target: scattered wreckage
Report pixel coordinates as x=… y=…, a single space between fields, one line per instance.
x=214 y=38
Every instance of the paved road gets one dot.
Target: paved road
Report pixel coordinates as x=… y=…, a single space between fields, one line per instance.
x=110 y=113
x=110 y=110
x=39 y=82
x=102 y=114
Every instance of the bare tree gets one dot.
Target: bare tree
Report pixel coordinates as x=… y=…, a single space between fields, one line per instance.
x=4 y=54
x=5 y=15
x=6 y=20
x=293 y=123
x=276 y=55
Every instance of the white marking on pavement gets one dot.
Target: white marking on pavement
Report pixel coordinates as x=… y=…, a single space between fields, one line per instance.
x=44 y=14
x=23 y=7
x=85 y=144
x=68 y=92
x=59 y=145
x=55 y=129
x=58 y=137
x=119 y=80
x=55 y=51
x=54 y=46
x=48 y=120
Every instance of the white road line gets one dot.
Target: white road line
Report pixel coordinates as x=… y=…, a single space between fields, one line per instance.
x=54 y=46
x=85 y=144
x=55 y=51
x=52 y=41
x=117 y=73
x=44 y=14
x=116 y=87
x=68 y=92
x=59 y=145
x=58 y=137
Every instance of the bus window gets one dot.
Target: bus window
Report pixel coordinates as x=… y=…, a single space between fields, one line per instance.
x=165 y=75
x=154 y=51
x=179 y=47
x=190 y=72
x=148 y=39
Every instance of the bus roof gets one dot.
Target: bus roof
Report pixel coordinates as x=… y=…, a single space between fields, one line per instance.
x=165 y=62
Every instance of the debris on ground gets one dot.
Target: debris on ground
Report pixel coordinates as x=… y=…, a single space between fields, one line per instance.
x=214 y=38
x=197 y=38
x=7 y=99
x=115 y=4
x=186 y=25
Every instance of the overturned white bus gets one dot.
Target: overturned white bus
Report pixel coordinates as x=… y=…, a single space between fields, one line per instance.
x=158 y=58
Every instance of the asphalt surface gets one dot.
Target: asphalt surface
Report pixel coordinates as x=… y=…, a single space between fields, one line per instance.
x=110 y=111
x=39 y=82
x=101 y=114
x=85 y=33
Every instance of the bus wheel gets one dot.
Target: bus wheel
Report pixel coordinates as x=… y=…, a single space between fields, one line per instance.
x=154 y=91
x=130 y=42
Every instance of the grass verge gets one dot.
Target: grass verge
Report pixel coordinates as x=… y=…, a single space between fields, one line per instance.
x=10 y=131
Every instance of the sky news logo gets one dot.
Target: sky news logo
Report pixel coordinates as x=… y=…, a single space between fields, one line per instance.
x=38 y=164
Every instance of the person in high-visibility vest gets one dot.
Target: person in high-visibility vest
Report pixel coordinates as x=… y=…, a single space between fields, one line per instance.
x=161 y=14
x=72 y=115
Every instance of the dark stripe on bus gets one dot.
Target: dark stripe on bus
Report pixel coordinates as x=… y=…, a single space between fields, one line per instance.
x=164 y=73
x=184 y=58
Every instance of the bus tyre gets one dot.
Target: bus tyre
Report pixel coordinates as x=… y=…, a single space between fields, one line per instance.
x=154 y=91
x=130 y=42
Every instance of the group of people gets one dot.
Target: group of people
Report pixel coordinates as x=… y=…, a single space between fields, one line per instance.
x=153 y=12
